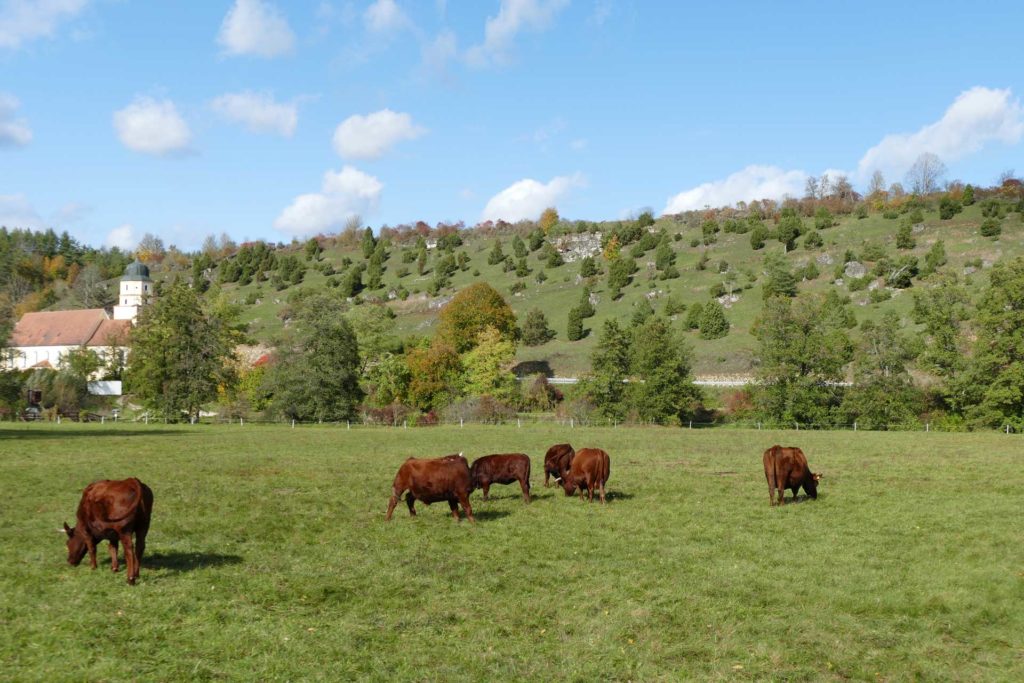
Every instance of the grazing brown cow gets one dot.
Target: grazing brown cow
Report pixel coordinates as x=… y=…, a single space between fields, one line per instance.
x=501 y=469
x=786 y=468
x=589 y=469
x=112 y=511
x=432 y=480
x=557 y=461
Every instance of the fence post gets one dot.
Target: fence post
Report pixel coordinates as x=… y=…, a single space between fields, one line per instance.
x=58 y=419
x=854 y=425
x=293 y=423
x=927 y=426
x=146 y=418
x=1007 y=429
x=241 y=422
x=460 y=423
x=103 y=419
x=691 y=424
x=797 y=426
x=758 y=426
x=519 y=422
x=348 y=424
x=572 y=423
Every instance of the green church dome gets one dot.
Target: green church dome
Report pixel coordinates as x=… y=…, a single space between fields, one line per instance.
x=136 y=271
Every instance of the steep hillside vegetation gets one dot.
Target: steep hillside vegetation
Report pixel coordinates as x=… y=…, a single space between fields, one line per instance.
x=859 y=257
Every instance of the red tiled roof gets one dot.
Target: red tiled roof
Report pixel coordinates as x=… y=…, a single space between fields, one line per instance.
x=43 y=364
x=58 y=328
x=111 y=332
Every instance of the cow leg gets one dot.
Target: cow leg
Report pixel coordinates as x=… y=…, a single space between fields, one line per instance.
x=129 y=557
x=91 y=547
x=590 y=493
x=455 y=508
x=391 y=505
x=113 y=555
x=410 y=500
x=467 y=508
x=600 y=486
x=524 y=484
x=486 y=488
x=546 y=476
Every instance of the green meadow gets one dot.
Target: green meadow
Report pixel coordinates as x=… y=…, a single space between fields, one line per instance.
x=269 y=559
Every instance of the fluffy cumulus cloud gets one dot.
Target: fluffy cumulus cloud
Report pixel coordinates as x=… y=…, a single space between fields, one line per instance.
x=385 y=16
x=527 y=198
x=373 y=135
x=513 y=16
x=753 y=182
x=344 y=194
x=17 y=212
x=258 y=112
x=14 y=132
x=254 y=27
x=123 y=237
x=977 y=117
x=22 y=21
x=152 y=127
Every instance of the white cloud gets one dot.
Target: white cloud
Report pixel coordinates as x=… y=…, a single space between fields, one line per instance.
x=13 y=132
x=527 y=198
x=344 y=194
x=17 y=212
x=258 y=112
x=123 y=237
x=254 y=27
x=436 y=54
x=71 y=212
x=24 y=20
x=385 y=16
x=753 y=182
x=977 y=117
x=152 y=127
x=513 y=17
x=371 y=136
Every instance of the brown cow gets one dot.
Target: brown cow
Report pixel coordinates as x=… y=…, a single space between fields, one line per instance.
x=589 y=469
x=501 y=469
x=557 y=461
x=112 y=511
x=786 y=468
x=431 y=480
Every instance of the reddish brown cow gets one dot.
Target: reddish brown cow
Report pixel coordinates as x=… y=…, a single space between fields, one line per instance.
x=786 y=468
x=557 y=461
x=589 y=469
x=112 y=511
x=433 y=480
x=501 y=469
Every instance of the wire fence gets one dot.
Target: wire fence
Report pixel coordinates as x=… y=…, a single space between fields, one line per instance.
x=522 y=420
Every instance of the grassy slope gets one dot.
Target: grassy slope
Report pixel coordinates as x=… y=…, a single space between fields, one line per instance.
x=733 y=354
x=269 y=559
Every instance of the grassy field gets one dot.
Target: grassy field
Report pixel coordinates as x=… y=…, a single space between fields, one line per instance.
x=269 y=559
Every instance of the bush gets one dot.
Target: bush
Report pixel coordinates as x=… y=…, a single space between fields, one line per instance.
x=813 y=240
x=890 y=214
x=575 y=328
x=536 y=330
x=905 y=236
x=717 y=290
x=990 y=227
x=757 y=238
x=861 y=211
x=713 y=324
x=949 y=207
x=693 y=316
x=879 y=295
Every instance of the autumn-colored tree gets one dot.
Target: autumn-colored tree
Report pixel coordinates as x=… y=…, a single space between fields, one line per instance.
x=435 y=375
x=470 y=312
x=548 y=219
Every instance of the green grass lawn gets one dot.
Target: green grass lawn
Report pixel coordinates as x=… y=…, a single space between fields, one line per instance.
x=269 y=559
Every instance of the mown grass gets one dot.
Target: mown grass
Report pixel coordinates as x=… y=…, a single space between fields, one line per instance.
x=269 y=559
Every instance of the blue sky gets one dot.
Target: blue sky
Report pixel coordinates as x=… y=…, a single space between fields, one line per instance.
x=273 y=119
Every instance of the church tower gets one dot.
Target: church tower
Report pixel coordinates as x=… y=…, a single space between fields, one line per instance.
x=136 y=288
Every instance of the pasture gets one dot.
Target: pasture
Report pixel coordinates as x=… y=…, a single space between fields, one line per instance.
x=269 y=559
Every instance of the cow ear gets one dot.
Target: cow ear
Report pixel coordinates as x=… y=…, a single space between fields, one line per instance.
x=68 y=530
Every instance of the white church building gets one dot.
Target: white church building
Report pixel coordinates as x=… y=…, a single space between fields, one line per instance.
x=42 y=339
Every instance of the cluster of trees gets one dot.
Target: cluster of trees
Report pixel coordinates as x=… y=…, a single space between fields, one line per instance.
x=813 y=371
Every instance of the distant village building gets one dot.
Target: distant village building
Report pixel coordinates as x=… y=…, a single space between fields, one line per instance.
x=42 y=339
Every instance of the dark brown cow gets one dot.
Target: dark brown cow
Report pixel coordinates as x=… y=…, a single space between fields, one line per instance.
x=112 y=511
x=589 y=469
x=786 y=468
x=557 y=461
x=504 y=468
x=432 y=480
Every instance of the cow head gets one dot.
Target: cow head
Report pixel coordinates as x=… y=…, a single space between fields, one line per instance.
x=568 y=484
x=812 y=486
x=76 y=546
